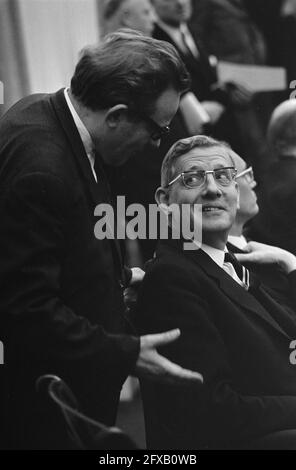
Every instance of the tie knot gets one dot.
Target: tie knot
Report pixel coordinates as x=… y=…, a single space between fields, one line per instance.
x=242 y=272
x=230 y=258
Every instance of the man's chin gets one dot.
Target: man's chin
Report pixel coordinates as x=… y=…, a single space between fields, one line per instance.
x=215 y=226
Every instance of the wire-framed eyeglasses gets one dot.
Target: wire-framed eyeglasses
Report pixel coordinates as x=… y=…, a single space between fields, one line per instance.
x=158 y=131
x=195 y=178
x=248 y=173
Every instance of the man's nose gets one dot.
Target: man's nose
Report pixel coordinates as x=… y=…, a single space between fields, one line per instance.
x=253 y=184
x=210 y=186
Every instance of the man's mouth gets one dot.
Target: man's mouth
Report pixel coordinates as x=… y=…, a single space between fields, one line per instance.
x=212 y=209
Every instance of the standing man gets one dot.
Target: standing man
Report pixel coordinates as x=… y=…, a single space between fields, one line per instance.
x=61 y=303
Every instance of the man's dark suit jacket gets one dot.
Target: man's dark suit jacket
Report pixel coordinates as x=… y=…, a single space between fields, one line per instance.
x=271 y=276
x=61 y=288
x=227 y=31
x=238 y=340
x=203 y=74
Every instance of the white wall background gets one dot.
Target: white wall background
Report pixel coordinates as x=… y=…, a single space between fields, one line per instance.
x=54 y=31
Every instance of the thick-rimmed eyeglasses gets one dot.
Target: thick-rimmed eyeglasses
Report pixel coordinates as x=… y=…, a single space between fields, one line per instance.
x=248 y=173
x=195 y=178
x=158 y=131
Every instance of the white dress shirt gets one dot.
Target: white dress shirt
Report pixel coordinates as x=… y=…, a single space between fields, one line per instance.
x=218 y=257
x=239 y=242
x=83 y=132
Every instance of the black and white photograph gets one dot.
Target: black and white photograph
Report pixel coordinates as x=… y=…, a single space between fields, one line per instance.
x=148 y=228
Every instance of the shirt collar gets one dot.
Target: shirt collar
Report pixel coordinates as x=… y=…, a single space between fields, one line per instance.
x=172 y=30
x=83 y=132
x=239 y=242
x=216 y=255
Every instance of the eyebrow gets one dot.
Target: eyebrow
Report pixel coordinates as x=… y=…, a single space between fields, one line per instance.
x=218 y=166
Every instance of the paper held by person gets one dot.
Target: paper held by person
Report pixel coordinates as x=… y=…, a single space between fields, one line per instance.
x=255 y=78
x=193 y=113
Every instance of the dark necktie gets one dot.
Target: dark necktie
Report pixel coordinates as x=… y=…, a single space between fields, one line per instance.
x=242 y=272
x=186 y=48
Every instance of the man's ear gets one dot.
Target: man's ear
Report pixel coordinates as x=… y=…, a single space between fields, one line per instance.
x=161 y=196
x=115 y=115
x=162 y=199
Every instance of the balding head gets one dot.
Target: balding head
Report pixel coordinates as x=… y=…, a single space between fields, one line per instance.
x=282 y=130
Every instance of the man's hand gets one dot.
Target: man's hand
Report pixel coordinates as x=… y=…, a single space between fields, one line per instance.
x=265 y=254
x=137 y=276
x=131 y=292
x=153 y=366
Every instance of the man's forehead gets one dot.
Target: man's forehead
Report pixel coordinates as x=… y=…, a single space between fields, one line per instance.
x=203 y=157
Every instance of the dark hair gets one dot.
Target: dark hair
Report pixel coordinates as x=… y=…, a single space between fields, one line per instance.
x=127 y=68
x=110 y=8
x=183 y=146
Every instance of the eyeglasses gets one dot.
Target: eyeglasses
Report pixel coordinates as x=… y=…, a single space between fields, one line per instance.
x=159 y=131
x=248 y=174
x=194 y=179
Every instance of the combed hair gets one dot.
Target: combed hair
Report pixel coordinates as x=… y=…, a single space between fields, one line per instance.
x=183 y=146
x=127 y=68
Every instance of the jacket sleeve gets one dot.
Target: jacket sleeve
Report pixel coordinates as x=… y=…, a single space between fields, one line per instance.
x=33 y=316
x=217 y=411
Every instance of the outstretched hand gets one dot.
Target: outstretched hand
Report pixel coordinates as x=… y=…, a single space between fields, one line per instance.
x=153 y=366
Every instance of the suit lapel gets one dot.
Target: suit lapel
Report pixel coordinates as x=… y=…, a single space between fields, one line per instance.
x=96 y=191
x=232 y=289
x=75 y=142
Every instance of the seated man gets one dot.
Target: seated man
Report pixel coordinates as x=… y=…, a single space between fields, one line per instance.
x=233 y=330
x=268 y=269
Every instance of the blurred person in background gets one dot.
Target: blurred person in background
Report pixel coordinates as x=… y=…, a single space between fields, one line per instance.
x=287 y=38
x=226 y=29
x=266 y=15
x=172 y=26
x=276 y=222
x=133 y=14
